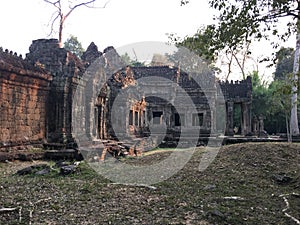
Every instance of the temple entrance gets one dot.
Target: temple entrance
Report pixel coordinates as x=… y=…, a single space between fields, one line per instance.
x=238 y=119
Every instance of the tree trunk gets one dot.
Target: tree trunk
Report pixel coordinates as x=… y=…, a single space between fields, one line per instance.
x=61 y=26
x=294 y=128
x=289 y=136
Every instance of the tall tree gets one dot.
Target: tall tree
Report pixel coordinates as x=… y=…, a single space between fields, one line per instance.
x=205 y=43
x=284 y=63
x=242 y=21
x=200 y=43
x=73 y=45
x=280 y=106
x=63 y=10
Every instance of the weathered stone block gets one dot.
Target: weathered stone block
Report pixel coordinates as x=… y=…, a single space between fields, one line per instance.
x=20 y=84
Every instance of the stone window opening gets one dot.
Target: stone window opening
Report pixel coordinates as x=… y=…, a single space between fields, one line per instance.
x=143 y=120
x=179 y=120
x=131 y=117
x=157 y=117
x=136 y=118
x=197 y=119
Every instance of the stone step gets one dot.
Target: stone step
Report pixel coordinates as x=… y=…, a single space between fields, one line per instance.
x=63 y=154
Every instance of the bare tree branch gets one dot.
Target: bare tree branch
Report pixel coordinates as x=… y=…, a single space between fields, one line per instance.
x=229 y=65
x=78 y=5
x=53 y=3
x=86 y=4
x=100 y=7
x=52 y=23
x=279 y=14
x=62 y=16
x=240 y=66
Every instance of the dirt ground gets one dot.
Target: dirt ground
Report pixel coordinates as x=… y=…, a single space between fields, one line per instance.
x=249 y=183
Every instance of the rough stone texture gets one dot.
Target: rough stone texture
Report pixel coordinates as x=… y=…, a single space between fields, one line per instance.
x=238 y=93
x=66 y=69
x=133 y=90
x=146 y=81
x=91 y=54
x=24 y=90
x=139 y=96
x=37 y=98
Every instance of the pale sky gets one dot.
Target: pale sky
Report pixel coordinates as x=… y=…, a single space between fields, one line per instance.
x=122 y=22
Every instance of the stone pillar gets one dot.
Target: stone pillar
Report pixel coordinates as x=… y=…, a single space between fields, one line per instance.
x=102 y=122
x=213 y=120
x=229 y=118
x=133 y=117
x=255 y=125
x=142 y=118
x=167 y=116
x=149 y=116
x=246 y=120
x=96 y=118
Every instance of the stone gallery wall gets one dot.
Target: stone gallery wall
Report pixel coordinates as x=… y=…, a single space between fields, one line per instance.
x=237 y=90
x=37 y=95
x=24 y=90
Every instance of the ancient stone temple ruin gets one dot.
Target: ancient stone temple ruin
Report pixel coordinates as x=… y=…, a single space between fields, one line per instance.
x=144 y=101
x=37 y=99
x=24 y=92
x=238 y=93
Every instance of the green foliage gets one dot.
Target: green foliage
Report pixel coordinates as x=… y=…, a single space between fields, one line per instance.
x=201 y=43
x=280 y=104
x=260 y=95
x=191 y=48
x=241 y=21
x=73 y=45
x=272 y=101
x=284 y=63
x=190 y=62
x=131 y=62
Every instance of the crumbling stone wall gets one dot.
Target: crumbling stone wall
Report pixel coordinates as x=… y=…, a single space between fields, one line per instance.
x=37 y=95
x=136 y=112
x=237 y=90
x=24 y=90
x=66 y=70
x=238 y=93
x=204 y=98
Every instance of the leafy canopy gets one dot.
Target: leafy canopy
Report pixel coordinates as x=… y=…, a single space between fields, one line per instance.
x=284 y=64
x=131 y=62
x=73 y=45
x=272 y=101
x=240 y=21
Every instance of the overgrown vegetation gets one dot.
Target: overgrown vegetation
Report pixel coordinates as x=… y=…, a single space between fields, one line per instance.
x=73 y=45
x=272 y=100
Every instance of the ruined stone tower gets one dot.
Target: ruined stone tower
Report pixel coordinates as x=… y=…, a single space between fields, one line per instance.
x=65 y=69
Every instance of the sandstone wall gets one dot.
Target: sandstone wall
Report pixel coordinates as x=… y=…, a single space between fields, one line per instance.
x=23 y=95
x=66 y=70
